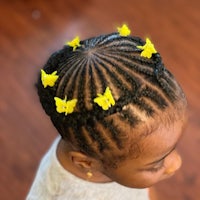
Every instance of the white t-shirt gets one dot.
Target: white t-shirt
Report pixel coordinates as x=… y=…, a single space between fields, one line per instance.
x=53 y=182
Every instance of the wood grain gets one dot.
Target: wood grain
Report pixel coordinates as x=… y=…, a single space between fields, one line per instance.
x=31 y=30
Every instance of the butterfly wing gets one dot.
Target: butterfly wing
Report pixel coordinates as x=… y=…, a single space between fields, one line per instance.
x=43 y=78
x=101 y=101
x=109 y=96
x=52 y=78
x=60 y=104
x=70 y=105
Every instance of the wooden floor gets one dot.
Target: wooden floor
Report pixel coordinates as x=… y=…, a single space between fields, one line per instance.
x=30 y=30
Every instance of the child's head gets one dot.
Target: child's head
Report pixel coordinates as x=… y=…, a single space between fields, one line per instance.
x=112 y=99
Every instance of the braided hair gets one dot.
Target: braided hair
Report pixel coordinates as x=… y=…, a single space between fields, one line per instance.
x=142 y=88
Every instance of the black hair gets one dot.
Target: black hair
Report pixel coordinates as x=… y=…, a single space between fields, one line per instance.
x=140 y=87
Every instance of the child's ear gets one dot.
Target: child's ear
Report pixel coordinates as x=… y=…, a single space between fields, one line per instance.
x=82 y=161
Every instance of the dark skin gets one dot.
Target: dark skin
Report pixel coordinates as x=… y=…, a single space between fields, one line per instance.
x=157 y=161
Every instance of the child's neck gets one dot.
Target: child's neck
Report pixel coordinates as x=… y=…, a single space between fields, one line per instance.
x=62 y=152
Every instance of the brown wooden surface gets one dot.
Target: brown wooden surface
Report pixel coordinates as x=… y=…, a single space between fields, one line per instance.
x=31 y=30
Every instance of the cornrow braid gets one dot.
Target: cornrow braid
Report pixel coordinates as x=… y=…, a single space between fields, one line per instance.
x=140 y=86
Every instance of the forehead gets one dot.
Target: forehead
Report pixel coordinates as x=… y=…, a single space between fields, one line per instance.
x=161 y=141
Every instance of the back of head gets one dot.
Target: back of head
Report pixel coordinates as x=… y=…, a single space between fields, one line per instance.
x=109 y=86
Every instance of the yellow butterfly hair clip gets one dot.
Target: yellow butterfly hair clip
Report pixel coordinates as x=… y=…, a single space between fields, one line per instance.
x=106 y=100
x=48 y=79
x=64 y=106
x=148 y=49
x=74 y=43
x=124 y=30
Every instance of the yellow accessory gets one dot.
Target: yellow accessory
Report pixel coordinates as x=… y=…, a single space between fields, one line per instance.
x=74 y=43
x=64 y=106
x=124 y=30
x=89 y=175
x=105 y=100
x=48 y=79
x=148 y=49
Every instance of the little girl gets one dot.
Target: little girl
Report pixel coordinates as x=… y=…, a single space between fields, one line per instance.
x=120 y=114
